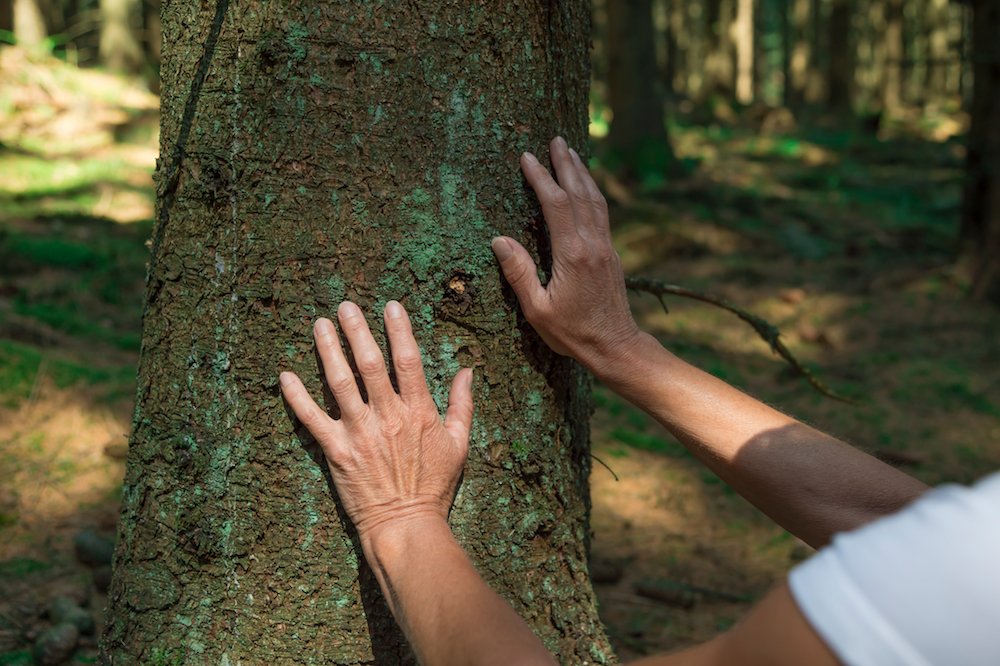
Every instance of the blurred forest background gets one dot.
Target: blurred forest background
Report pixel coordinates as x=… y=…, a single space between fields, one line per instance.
x=831 y=165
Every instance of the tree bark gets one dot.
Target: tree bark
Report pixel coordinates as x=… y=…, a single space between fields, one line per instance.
x=312 y=152
x=981 y=214
x=638 y=135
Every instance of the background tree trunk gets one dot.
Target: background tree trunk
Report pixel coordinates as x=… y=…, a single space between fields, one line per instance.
x=6 y=17
x=743 y=38
x=840 y=74
x=892 y=84
x=638 y=135
x=119 y=47
x=981 y=213
x=309 y=153
x=29 y=24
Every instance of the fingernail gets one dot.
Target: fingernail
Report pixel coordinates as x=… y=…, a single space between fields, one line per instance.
x=530 y=157
x=323 y=326
x=502 y=248
x=468 y=380
x=393 y=310
x=285 y=378
x=348 y=310
x=575 y=156
x=561 y=142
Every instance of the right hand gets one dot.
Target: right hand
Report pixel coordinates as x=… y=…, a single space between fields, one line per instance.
x=583 y=311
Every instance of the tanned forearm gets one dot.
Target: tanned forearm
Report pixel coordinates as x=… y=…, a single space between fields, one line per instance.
x=812 y=484
x=449 y=615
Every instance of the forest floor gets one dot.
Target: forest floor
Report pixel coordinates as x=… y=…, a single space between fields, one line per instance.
x=842 y=239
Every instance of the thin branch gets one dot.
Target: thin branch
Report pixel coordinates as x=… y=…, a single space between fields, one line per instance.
x=765 y=329
x=605 y=466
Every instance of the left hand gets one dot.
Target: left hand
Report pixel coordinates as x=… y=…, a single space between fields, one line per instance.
x=393 y=460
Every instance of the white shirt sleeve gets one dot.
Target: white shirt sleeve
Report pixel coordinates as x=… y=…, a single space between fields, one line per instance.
x=919 y=587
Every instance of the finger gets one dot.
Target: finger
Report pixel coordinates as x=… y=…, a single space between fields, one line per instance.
x=338 y=373
x=458 y=418
x=570 y=181
x=598 y=204
x=367 y=355
x=312 y=416
x=556 y=206
x=520 y=270
x=406 y=359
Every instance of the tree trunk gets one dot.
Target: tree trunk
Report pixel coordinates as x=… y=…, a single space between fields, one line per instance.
x=743 y=29
x=938 y=23
x=6 y=18
x=840 y=75
x=638 y=136
x=981 y=214
x=312 y=152
x=720 y=56
x=119 y=48
x=892 y=84
x=30 y=30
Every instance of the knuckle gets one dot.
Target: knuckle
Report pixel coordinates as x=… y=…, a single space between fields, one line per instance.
x=314 y=419
x=342 y=384
x=369 y=362
x=599 y=202
x=517 y=273
x=390 y=427
x=604 y=254
x=429 y=418
x=408 y=362
x=559 y=199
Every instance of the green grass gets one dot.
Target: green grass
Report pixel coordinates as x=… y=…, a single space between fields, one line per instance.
x=22 y=566
x=32 y=176
x=16 y=658
x=20 y=365
x=46 y=251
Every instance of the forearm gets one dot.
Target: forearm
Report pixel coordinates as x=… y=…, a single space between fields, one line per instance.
x=448 y=613
x=812 y=484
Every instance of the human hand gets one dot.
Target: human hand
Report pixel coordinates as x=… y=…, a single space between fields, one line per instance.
x=583 y=311
x=392 y=459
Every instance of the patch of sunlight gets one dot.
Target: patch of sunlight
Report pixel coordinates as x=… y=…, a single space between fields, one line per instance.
x=642 y=244
x=722 y=331
x=600 y=122
x=118 y=187
x=56 y=468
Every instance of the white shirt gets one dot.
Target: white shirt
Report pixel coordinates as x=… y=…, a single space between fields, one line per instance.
x=916 y=588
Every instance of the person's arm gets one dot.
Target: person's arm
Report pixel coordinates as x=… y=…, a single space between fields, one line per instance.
x=812 y=484
x=774 y=633
x=396 y=467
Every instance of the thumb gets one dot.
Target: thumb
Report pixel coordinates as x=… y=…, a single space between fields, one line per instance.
x=519 y=269
x=458 y=418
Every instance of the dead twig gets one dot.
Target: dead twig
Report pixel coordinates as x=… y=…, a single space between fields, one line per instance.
x=765 y=329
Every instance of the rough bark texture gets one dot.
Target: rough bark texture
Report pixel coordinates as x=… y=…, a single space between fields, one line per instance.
x=981 y=213
x=312 y=152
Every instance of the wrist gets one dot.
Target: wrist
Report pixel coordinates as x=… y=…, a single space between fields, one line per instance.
x=401 y=535
x=621 y=360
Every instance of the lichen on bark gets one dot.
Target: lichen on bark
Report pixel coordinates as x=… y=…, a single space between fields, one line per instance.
x=312 y=152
